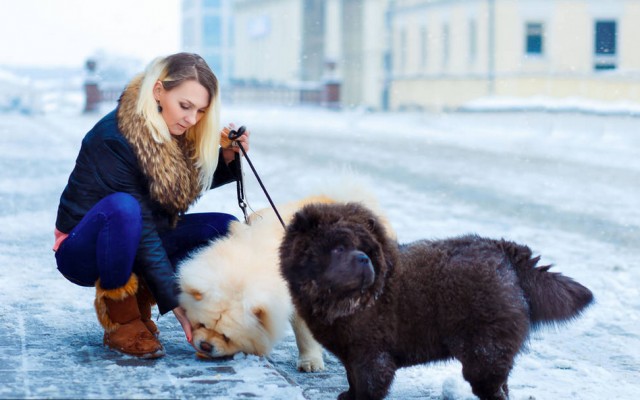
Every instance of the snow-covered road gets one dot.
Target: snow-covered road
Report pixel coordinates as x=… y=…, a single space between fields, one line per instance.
x=566 y=185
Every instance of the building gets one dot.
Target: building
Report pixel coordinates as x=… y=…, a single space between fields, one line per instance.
x=207 y=29
x=365 y=52
x=331 y=52
x=281 y=50
x=417 y=54
x=446 y=53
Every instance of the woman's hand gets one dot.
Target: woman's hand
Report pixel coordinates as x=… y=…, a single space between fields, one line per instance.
x=181 y=316
x=230 y=148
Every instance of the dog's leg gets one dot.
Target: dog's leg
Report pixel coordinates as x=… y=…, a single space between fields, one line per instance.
x=486 y=366
x=309 y=350
x=371 y=376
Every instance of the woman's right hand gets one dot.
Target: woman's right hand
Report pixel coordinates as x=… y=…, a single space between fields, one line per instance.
x=230 y=147
x=181 y=316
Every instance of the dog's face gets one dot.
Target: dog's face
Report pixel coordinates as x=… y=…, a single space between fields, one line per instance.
x=234 y=296
x=348 y=267
x=335 y=258
x=223 y=327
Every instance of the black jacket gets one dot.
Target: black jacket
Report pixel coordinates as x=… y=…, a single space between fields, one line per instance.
x=107 y=164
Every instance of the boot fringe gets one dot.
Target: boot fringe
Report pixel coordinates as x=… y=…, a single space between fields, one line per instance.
x=129 y=289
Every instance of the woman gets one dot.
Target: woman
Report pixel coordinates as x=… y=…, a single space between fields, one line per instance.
x=121 y=223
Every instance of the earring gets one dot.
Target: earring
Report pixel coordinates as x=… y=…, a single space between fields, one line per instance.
x=159 y=106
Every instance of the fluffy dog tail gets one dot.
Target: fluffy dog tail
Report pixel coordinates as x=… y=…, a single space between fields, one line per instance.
x=552 y=297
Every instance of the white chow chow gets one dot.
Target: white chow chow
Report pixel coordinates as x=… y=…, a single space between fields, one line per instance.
x=235 y=296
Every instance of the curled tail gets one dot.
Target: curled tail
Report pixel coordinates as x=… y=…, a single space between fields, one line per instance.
x=552 y=297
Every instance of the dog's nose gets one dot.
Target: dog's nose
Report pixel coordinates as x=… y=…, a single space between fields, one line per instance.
x=204 y=346
x=362 y=259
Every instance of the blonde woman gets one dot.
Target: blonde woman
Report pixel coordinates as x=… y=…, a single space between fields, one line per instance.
x=121 y=223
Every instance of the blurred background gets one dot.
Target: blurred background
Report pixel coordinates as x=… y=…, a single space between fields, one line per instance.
x=374 y=55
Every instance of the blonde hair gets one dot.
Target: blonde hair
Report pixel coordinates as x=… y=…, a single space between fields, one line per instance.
x=172 y=71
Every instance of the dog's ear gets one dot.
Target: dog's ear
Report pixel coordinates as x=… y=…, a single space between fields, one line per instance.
x=197 y=295
x=258 y=312
x=372 y=224
x=262 y=316
x=304 y=220
x=363 y=215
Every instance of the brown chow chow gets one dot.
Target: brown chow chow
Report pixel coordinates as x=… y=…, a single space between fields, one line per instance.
x=379 y=306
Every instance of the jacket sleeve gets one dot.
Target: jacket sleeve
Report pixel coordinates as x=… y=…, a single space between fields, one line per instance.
x=119 y=170
x=225 y=173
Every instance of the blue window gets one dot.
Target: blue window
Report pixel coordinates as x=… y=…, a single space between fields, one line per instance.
x=214 y=60
x=534 y=39
x=606 y=37
x=212 y=31
x=605 y=44
x=212 y=3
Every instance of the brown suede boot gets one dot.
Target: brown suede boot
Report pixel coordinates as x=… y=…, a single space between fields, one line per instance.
x=145 y=302
x=118 y=313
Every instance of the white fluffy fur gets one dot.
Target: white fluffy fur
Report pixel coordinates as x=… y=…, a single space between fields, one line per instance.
x=238 y=282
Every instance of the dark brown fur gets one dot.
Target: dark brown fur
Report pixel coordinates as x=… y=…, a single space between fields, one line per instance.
x=379 y=306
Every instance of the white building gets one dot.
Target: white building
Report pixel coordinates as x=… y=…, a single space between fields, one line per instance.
x=449 y=52
x=333 y=48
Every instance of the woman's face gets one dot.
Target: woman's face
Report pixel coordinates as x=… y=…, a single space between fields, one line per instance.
x=182 y=106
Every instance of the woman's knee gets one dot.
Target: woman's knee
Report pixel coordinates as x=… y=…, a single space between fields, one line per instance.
x=123 y=206
x=219 y=224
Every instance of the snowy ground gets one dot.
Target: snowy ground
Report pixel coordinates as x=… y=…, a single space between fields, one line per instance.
x=568 y=185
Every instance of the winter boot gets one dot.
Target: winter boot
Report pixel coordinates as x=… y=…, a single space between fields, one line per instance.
x=124 y=331
x=145 y=302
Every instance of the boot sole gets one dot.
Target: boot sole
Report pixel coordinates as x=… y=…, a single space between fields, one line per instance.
x=146 y=356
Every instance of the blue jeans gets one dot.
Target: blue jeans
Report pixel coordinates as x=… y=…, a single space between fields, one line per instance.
x=104 y=243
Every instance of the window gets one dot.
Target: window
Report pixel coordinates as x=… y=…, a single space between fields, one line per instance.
x=605 y=45
x=212 y=3
x=473 y=41
x=534 y=39
x=212 y=31
x=214 y=60
x=403 y=50
x=445 y=46
x=424 y=39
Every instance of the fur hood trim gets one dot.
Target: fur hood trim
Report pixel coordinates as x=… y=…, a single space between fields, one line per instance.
x=169 y=167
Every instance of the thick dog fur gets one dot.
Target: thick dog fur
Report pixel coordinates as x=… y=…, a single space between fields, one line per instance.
x=234 y=294
x=379 y=306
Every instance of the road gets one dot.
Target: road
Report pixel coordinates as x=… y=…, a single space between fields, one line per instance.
x=566 y=185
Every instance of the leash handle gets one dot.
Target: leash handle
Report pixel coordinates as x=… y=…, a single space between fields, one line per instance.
x=234 y=135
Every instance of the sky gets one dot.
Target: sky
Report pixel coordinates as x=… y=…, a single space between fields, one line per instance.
x=64 y=33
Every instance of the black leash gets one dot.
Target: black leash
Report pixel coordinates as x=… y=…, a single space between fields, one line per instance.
x=233 y=136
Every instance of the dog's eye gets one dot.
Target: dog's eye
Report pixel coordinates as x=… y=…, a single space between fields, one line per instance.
x=225 y=338
x=338 y=249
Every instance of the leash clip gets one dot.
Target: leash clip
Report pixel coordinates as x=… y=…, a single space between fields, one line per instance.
x=233 y=135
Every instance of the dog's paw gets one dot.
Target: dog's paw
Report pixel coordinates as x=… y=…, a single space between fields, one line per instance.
x=310 y=363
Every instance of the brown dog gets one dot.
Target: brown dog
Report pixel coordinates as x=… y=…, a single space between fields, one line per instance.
x=379 y=306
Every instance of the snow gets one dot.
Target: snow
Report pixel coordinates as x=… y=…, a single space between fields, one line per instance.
x=553 y=104
x=566 y=184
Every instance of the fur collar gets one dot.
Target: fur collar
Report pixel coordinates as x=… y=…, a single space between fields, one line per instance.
x=169 y=167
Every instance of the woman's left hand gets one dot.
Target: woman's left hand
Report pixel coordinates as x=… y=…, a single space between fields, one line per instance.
x=230 y=148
